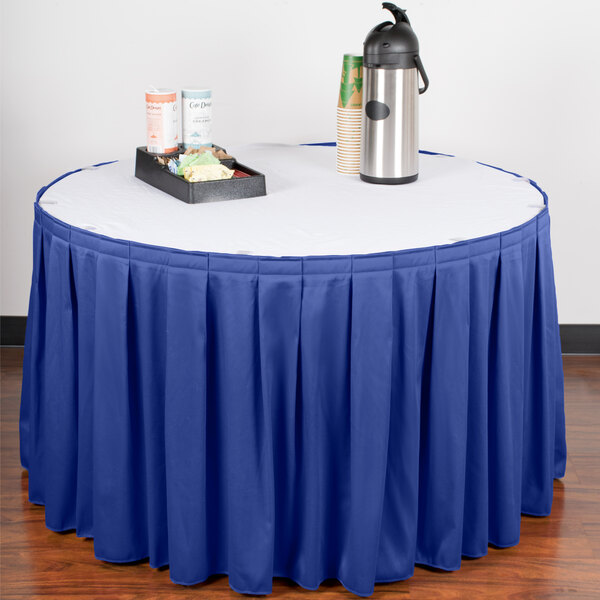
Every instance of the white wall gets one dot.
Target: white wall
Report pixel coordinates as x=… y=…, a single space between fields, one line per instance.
x=515 y=84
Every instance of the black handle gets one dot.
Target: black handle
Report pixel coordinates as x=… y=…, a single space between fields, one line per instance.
x=421 y=70
x=399 y=13
x=381 y=27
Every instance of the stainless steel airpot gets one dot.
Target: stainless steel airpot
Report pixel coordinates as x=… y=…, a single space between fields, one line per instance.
x=390 y=120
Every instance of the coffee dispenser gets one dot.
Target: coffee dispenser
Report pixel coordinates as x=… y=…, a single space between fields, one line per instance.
x=390 y=119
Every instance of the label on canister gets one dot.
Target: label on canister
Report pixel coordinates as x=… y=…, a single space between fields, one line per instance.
x=197 y=117
x=162 y=121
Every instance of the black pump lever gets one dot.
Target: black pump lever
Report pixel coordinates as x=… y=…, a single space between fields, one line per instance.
x=399 y=13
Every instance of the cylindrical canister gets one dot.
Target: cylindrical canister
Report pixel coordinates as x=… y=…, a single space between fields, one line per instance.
x=162 y=121
x=197 y=117
x=349 y=115
x=390 y=126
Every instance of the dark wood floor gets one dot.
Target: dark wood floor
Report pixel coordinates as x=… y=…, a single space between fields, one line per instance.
x=558 y=557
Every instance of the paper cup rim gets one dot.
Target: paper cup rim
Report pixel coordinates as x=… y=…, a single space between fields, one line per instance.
x=161 y=91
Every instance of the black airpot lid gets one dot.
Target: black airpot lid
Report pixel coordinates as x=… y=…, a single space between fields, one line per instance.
x=391 y=45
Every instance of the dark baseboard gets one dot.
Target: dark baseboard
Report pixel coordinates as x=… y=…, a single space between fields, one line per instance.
x=12 y=331
x=580 y=339
x=575 y=339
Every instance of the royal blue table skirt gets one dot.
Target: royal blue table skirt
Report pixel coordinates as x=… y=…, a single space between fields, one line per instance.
x=321 y=417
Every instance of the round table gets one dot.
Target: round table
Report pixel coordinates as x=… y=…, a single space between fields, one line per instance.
x=336 y=380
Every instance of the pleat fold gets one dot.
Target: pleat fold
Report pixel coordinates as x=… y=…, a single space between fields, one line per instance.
x=147 y=346
x=483 y=276
x=84 y=273
x=119 y=512
x=413 y=281
x=29 y=434
x=58 y=392
x=543 y=437
x=444 y=414
x=191 y=502
x=279 y=314
x=240 y=438
x=322 y=424
x=370 y=397
x=505 y=396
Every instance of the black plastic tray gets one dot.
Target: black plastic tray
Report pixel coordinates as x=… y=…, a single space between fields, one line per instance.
x=148 y=170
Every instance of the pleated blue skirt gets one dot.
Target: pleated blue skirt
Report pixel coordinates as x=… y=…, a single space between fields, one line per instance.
x=320 y=417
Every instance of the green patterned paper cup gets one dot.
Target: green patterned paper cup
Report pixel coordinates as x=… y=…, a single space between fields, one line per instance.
x=349 y=113
x=351 y=83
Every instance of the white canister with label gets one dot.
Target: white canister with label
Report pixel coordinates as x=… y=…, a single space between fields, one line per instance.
x=162 y=121
x=197 y=117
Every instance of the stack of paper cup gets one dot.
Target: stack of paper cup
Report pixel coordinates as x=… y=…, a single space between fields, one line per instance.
x=349 y=115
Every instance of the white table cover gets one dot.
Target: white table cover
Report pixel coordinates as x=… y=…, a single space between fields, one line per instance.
x=309 y=208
